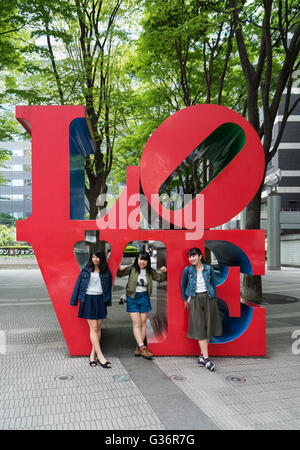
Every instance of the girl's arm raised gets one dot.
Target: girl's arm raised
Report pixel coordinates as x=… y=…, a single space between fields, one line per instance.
x=123 y=271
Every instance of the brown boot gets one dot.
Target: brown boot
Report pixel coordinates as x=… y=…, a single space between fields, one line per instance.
x=145 y=353
x=137 y=351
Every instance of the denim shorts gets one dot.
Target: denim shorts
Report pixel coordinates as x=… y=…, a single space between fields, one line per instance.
x=140 y=303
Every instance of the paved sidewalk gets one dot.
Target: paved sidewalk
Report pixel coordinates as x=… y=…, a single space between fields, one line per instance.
x=9 y=262
x=43 y=387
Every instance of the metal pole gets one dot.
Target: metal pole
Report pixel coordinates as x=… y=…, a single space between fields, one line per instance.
x=273 y=230
x=243 y=219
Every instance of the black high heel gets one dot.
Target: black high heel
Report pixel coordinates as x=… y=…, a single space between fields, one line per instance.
x=106 y=365
x=93 y=363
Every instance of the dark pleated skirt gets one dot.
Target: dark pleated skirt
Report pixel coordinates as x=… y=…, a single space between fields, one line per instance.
x=204 y=318
x=93 y=307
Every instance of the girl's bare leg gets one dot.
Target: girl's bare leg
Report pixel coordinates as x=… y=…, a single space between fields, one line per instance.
x=137 y=327
x=95 y=334
x=93 y=352
x=144 y=317
x=204 y=348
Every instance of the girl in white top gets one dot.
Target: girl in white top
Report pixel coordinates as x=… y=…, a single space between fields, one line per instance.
x=94 y=286
x=93 y=307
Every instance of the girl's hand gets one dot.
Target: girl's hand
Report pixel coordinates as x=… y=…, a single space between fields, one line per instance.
x=163 y=269
x=186 y=305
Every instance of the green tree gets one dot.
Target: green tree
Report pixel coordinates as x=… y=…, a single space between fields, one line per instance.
x=182 y=57
x=7 y=235
x=81 y=63
x=6 y=219
x=268 y=39
x=11 y=24
x=240 y=54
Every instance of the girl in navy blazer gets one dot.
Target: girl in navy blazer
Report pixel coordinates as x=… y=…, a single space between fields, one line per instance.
x=93 y=290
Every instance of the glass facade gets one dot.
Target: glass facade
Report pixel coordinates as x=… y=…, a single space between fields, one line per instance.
x=15 y=194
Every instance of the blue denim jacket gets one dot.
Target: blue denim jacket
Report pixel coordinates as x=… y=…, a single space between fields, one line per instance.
x=82 y=284
x=189 y=281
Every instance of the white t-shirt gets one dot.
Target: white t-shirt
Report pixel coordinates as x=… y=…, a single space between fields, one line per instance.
x=200 y=286
x=94 y=286
x=141 y=285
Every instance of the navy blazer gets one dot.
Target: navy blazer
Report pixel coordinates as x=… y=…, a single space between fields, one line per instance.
x=82 y=284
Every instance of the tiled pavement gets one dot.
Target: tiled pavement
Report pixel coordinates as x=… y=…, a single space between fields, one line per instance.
x=33 y=398
x=33 y=354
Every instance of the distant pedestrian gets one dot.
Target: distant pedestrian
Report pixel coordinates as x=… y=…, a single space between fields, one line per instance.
x=93 y=290
x=138 y=293
x=198 y=288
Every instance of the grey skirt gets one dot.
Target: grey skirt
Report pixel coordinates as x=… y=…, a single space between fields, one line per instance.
x=204 y=318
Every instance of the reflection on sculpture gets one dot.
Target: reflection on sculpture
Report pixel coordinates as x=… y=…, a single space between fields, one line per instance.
x=52 y=232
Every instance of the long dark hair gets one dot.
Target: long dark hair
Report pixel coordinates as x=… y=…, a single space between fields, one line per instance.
x=102 y=261
x=196 y=251
x=143 y=255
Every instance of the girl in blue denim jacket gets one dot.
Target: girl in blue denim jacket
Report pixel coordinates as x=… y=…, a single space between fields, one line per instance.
x=198 y=288
x=93 y=290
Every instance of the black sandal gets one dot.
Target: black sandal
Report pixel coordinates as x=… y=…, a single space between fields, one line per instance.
x=93 y=363
x=106 y=365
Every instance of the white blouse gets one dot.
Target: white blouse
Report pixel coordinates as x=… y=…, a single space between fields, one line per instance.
x=200 y=286
x=94 y=286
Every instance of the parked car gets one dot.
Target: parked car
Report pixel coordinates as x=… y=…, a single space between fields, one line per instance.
x=131 y=250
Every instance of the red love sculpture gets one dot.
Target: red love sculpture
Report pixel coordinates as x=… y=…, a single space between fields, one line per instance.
x=52 y=233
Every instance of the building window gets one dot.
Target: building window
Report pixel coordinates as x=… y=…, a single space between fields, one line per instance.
x=263 y=207
x=17 y=168
x=18 y=152
x=17 y=197
x=17 y=182
x=12 y=167
x=12 y=197
x=6 y=168
x=293 y=205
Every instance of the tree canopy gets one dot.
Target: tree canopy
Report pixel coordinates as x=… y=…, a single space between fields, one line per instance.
x=134 y=63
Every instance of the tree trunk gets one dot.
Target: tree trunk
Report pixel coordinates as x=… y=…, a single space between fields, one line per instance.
x=252 y=288
x=252 y=285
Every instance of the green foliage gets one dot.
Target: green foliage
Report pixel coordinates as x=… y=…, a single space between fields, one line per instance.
x=182 y=51
x=7 y=234
x=134 y=63
x=6 y=219
x=74 y=54
x=184 y=55
x=11 y=23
